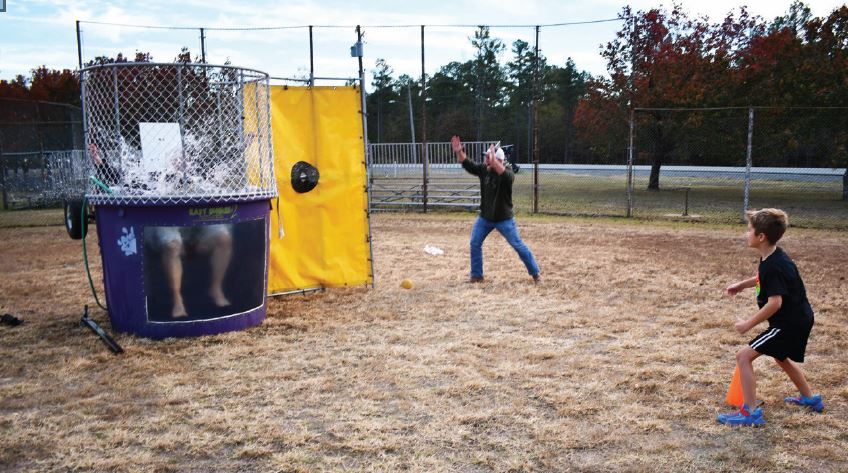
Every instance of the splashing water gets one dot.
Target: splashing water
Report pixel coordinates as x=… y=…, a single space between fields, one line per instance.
x=198 y=166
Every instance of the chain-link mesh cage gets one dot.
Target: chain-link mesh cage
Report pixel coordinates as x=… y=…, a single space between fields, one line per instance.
x=177 y=133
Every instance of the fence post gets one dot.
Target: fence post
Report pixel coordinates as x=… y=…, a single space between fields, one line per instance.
x=3 y=177
x=425 y=158
x=536 y=125
x=117 y=137
x=86 y=137
x=203 y=46
x=39 y=130
x=79 y=46
x=312 y=60
x=748 y=161
x=629 y=211
x=632 y=103
x=369 y=182
x=181 y=119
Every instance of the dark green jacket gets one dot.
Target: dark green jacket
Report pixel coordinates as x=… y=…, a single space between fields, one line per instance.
x=495 y=191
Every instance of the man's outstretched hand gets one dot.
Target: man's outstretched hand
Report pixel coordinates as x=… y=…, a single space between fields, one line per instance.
x=458 y=148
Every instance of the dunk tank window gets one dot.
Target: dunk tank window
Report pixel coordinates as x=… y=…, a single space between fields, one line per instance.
x=203 y=272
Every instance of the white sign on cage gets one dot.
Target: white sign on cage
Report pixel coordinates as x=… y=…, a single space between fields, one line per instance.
x=160 y=146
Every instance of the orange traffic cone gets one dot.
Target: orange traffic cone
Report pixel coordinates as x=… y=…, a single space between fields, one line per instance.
x=734 y=392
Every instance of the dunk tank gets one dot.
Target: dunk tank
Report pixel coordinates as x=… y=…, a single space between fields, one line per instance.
x=181 y=183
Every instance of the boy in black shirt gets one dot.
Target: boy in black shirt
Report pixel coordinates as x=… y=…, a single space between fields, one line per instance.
x=782 y=300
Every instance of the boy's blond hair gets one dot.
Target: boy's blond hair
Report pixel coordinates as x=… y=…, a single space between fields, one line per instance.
x=770 y=222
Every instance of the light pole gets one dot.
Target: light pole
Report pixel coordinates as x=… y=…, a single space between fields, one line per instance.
x=380 y=117
x=411 y=123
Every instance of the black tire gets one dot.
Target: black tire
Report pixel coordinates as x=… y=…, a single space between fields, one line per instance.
x=74 y=222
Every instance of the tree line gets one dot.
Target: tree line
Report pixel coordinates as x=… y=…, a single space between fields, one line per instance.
x=792 y=69
x=483 y=99
x=51 y=85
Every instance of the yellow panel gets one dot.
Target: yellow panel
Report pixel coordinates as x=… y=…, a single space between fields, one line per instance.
x=250 y=124
x=326 y=229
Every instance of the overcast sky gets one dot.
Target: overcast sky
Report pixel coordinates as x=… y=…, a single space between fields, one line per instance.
x=35 y=32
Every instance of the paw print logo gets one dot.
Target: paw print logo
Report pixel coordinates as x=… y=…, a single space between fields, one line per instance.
x=127 y=241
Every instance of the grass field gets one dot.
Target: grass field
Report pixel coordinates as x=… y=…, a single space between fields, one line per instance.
x=715 y=200
x=31 y=218
x=618 y=361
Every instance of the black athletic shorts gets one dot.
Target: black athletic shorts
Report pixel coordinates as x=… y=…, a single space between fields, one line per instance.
x=783 y=343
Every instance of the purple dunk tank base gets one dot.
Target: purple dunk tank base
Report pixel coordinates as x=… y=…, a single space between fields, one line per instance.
x=138 y=270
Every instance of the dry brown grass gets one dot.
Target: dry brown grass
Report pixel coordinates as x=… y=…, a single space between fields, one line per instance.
x=618 y=362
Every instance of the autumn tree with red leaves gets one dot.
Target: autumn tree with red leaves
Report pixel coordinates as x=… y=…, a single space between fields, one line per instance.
x=662 y=59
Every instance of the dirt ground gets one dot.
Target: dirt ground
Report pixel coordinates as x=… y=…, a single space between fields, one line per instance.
x=618 y=361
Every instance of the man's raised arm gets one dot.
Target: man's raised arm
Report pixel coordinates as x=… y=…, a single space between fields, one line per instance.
x=458 y=149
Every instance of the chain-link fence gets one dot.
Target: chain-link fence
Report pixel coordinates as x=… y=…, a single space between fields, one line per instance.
x=400 y=181
x=695 y=164
x=687 y=164
x=40 y=152
x=712 y=164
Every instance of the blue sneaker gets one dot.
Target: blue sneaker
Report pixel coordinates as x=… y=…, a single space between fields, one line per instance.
x=722 y=418
x=814 y=403
x=743 y=417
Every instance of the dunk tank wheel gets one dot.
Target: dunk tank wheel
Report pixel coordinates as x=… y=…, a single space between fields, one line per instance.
x=74 y=222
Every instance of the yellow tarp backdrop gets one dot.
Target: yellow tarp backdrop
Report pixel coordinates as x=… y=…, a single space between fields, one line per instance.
x=326 y=229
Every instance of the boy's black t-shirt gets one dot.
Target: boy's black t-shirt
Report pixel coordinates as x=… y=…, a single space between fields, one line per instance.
x=495 y=191
x=778 y=276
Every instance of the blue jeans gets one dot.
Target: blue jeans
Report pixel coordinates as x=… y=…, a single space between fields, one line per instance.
x=482 y=228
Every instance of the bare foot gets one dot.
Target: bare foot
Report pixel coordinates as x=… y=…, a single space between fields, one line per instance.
x=218 y=297
x=179 y=310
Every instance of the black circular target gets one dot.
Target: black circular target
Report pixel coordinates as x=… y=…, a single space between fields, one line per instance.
x=304 y=177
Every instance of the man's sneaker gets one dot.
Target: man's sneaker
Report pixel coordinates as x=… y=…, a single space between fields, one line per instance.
x=812 y=403
x=537 y=279
x=474 y=279
x=743 y=417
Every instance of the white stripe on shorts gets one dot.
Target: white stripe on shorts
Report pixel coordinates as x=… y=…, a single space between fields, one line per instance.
x=768 y=335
